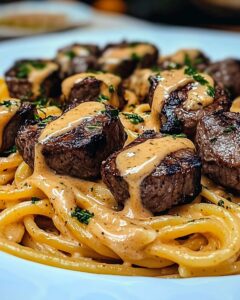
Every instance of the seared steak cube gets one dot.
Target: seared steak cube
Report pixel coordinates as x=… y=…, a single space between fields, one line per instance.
x=29 y=79
x=218 y=143
x=78 y=150
x=13 y=114
x=106 y=88
x=175 y=179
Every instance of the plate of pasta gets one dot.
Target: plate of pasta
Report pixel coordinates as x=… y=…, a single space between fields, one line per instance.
x=117 y=160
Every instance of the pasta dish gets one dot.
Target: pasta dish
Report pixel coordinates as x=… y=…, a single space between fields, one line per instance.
x=122 y=161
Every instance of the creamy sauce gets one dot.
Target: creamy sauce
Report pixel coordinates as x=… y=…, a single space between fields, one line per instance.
x=112 y=56
x=138 y=82
x=172 y=80
x=37 y=76
x=139 y=161
x=6 y=114
x=235 y=105
x=70 y=120
x=107 y=81
x=125 y=237
x=179 y=56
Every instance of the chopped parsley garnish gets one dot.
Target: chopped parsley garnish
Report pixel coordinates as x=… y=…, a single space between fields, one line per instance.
x=111 y=112
x=43 y=122
x=41 y=101
x=180 y=135
x=82 y=215
x=37 y=65
x=111 y=88
x=134 y=118
x=11 y=150
x=36 y=117
x=6 y=103
x=175 y=136
x=135 y=57
x=230 y=129
x=34 y=200
x=97 y=125
x=211 y=91
x=191 y=71
x=70 y=54
x=221 y=203
x=187 y=60
x=24 y=70
x=102 y=98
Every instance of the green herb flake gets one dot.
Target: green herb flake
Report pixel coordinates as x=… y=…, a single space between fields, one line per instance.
x=211 y=91
x=11 y=150
x=37 y=65
x=133 y=118
x=6 y=103
x=102 y=98
x=230 y=129
x=34 y=200
x=111 y=89
x=135 y=57
x=70 y=54
x=82 y=215
x=221 y=203
x=23 y=71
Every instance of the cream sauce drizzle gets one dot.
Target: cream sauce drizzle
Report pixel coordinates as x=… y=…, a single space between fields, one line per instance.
x=107 y=81
x=172 y=80
x=6 y=114
x=37 y=76
x=179 y=56
x=139 y=161
x=126 y=238
x=70 y=120
x=112 y=56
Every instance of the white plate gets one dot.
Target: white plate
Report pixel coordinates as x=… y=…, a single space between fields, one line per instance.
x=75 y=14
x=23 y=280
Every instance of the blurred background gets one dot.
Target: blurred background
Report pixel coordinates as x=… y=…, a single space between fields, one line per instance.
x=23 y=18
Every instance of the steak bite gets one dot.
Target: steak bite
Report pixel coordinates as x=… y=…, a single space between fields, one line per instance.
x=29 y=79
x=123 y=58
x=101 y=87
x=227 y=72
x=77 y=142
x=77 y=58
x=13 y=114
x=218 y=144
x=173 y=178
x=180 y=98
x=193 y=57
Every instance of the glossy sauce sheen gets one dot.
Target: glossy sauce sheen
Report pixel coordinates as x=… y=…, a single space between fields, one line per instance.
x=107 y=81
x=70 y=120
x=36 y=76
x=170 y=81
x=180 y=56
x=139 y=161
x=6 y=114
